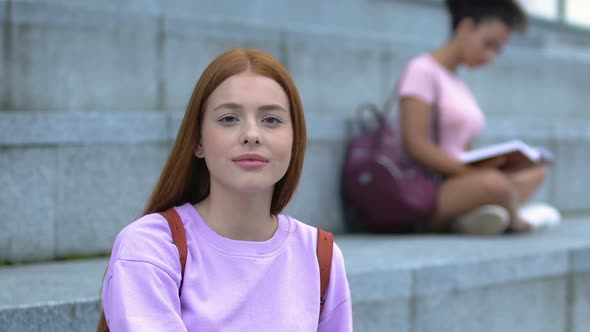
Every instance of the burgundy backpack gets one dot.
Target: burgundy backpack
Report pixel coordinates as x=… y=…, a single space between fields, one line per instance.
x=382 y=189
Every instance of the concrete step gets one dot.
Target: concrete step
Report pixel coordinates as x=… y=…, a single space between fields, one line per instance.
x=80 y=204
x=147 y=57
x=537 y=282
x=58 y=296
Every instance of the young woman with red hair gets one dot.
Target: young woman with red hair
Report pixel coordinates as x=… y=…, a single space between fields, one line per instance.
x=234 y=166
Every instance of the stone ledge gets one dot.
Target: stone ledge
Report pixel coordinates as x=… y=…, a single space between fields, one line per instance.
x=381 y=269
x=94 y=15
x=447 y=263
x=78 y=315
x=57 y=151
x=82 y=128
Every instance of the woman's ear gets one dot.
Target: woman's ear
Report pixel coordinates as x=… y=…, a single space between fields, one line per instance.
x=467 y=24
x=199 y=152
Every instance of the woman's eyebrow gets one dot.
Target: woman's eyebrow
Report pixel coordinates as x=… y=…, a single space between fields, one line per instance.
x=236 y=106
x=272 y=107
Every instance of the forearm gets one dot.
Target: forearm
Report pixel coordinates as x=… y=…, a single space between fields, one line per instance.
x=429 y=155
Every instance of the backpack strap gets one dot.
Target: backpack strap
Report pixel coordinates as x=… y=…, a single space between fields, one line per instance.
x=179 y=239
x=324 y=252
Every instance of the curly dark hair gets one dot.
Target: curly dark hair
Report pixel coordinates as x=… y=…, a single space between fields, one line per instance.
x=508 y=11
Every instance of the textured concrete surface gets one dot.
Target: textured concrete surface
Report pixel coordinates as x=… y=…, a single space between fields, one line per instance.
x=28 y=179
x=69 y=59
x=580 y=301
x=101 y=189
x=148 y=56
x=54 y=282
x=58 y=128
x=461 y=262
x=534 y=305
x=73 y=316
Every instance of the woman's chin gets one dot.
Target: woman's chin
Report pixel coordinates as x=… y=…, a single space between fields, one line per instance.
x=255 y=189
x=476 y=65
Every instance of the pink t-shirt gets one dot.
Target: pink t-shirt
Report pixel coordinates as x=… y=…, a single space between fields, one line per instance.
x=228 y=285
x=460 y=118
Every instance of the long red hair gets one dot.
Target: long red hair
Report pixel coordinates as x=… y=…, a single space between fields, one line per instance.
x=185 y=178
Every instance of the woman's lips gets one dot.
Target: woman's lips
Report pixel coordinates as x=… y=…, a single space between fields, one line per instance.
x=251 y=161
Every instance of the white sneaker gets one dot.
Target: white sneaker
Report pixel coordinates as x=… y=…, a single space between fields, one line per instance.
x=540 y=216
x=485 y=220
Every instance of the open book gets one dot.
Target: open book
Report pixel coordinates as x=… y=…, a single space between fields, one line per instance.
x=516 y=154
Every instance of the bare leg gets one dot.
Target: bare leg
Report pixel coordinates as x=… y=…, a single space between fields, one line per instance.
x=462 y=194
x=527 y=181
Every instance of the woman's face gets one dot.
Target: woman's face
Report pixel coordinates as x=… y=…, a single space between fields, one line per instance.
x=247 y=134
x=482 y=42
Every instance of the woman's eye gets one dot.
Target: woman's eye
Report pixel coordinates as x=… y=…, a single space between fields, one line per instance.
x=271 y=120
x=492 y=45
x=226 y=120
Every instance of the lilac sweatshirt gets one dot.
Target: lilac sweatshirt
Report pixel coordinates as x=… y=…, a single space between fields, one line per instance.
x=228 y=285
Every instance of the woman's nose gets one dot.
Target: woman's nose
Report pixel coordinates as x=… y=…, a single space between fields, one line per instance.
x=251 y=134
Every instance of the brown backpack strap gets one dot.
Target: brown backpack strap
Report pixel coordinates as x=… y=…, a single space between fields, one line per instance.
x=324 y=251
x=179 y=239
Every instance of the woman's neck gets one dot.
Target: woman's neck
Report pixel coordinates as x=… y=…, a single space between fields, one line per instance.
x=239 y=216
x=448 y=56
